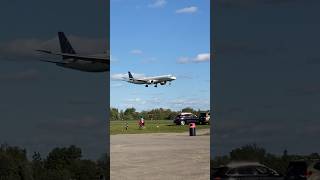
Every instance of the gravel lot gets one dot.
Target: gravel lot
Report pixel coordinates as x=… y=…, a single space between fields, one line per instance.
x=163 y=156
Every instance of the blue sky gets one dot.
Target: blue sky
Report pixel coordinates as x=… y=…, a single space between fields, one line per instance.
x=156 y=37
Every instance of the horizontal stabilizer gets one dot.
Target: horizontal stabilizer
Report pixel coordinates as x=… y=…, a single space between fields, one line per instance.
x=55 y=62
x=44 y=51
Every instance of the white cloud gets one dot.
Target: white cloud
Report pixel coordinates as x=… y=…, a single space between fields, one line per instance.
x=135 y=101
x=123 y=76
x=158 y=3
x=189 y=10
x=148 y=103
x=113 y=59
x=120 y=76
x=190 y=102
x=183 y=60
x=115 y=85
x=136 y=51
x=202 y=57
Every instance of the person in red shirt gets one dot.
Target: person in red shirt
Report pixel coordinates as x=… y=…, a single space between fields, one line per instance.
x=141 y=122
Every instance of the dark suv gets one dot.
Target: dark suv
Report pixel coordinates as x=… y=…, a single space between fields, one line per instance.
x=185 y=118
x=297 y=170
x=204 y=118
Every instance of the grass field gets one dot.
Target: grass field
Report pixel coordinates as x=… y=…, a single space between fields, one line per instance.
x=151 y=126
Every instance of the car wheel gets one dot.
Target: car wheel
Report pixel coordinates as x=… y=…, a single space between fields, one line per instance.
x=182 y=123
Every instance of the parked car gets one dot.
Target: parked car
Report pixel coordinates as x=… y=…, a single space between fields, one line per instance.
x=297 y=170
x=245 y=170
x=204 y=118
x=185 y=118
x=313 y=171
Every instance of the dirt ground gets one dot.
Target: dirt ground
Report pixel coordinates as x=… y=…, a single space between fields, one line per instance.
x=169 y=156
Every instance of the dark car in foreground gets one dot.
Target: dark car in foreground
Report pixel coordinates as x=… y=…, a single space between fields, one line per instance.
x=185 y=118
x=303 y=170
x=297 y=170
x=245 y=171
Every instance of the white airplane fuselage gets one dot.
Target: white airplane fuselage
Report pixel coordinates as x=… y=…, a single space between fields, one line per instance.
x=153 y=80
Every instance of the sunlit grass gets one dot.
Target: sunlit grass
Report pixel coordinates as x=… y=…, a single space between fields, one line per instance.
x=151 y=126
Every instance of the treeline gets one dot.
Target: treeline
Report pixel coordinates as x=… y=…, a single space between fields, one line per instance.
x=61 y=163
x=154 y=114
x=254 y=153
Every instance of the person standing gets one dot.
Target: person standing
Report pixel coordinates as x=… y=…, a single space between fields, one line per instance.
x=141 y=122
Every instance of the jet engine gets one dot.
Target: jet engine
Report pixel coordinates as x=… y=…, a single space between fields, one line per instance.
x=163 y=82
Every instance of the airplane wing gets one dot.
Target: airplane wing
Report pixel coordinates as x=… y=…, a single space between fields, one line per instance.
x=79 y=57
x=143 y=80
x=155 y=79
x=148 y=80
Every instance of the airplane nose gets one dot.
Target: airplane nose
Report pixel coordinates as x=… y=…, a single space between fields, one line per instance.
x=174 y=78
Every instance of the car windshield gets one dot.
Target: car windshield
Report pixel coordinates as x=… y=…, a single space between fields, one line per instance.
x=203 y=114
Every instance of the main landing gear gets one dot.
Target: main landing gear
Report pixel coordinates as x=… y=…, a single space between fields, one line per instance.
x=156 y=85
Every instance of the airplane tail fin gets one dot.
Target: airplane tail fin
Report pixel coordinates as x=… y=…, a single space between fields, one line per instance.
x=130 y=75
x=65 y=45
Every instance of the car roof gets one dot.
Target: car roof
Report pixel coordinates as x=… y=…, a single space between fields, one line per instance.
x=185 y=113
x=241 y=164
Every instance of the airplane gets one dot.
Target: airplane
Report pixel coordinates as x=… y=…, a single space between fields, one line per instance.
x=162 y=80
x=72 y=60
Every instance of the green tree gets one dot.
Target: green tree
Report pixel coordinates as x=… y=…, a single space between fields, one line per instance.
x=86 y=169
x=248 y=153
x=114 y=114
x=37 y=166
x=188 y=109
x=14 y=163
x=130 y=114
x=63 y=160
